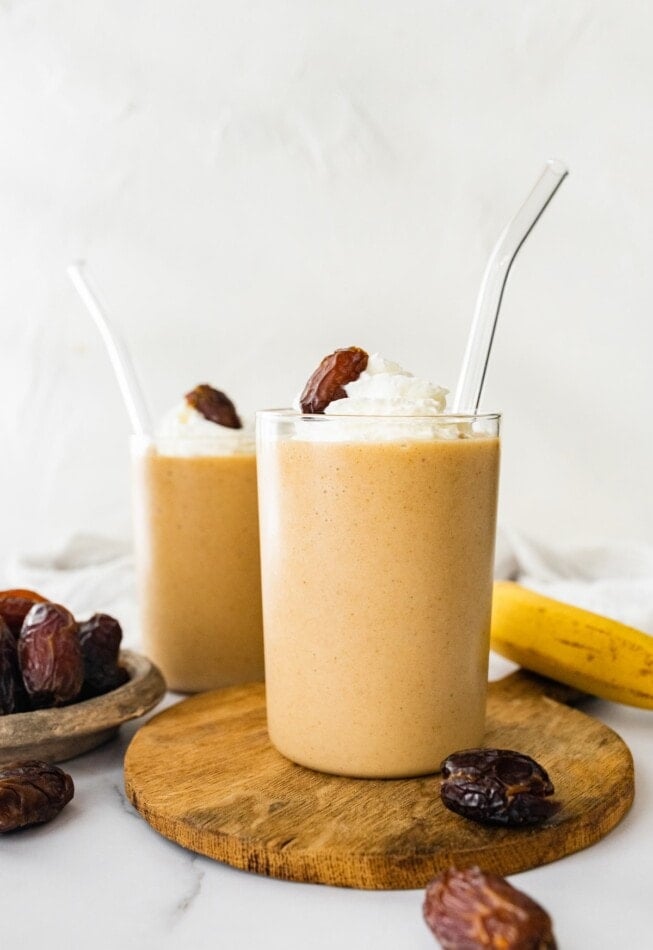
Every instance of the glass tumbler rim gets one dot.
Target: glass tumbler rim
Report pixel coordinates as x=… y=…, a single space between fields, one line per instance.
x=443 y=417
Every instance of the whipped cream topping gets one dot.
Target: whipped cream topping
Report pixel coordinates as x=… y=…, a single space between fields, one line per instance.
x=186 y=432
x=385 y=388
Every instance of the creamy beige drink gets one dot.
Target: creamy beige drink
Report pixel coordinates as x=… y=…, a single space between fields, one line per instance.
x=377 y=539
x=197 y=553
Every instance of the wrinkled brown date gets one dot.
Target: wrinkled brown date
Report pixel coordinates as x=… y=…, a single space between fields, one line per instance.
x=214 y=406
x=15 y=605
x=32 y=793
x=99 y=638
x=497 y=787
x=327 y=383
x=49 y=656
x=12 y=693
x=472 y=910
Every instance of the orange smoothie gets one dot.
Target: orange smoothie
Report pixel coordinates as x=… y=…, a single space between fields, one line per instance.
x=197 y=555
x=377 y=579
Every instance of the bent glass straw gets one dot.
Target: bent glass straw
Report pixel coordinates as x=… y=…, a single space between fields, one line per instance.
x=123 y=367
x=488 y=302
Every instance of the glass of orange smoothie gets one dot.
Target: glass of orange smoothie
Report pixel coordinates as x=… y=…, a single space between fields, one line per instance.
x=196 y=546
x=378 y=515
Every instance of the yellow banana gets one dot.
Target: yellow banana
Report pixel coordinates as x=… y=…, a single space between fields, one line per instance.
x=589 y=652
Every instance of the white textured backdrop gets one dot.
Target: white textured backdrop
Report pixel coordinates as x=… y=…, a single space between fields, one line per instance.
x=255 y=183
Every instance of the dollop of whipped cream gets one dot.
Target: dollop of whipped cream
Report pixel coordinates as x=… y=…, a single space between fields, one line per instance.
x=185 y=432
x=385 y=388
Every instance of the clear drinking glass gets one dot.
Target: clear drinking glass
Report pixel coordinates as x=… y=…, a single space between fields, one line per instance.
x=198 y=565
x=377 y=547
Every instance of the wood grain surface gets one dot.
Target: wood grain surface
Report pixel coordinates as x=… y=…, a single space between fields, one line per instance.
x=59 y=734
x=203 y=773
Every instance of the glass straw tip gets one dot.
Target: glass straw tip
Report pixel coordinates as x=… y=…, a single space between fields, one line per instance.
x=557 y=166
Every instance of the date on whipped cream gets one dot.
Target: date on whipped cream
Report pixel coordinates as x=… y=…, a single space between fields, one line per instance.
x=214 y=405
x=351 y=382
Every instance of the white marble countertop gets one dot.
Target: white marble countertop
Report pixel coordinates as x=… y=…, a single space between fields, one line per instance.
x=99 y=876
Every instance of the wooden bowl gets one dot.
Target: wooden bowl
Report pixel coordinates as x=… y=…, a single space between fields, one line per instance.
x=55 y=735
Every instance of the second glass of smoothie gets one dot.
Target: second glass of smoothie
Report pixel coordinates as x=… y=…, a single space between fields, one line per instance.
x=197 y=551
x=377 y=536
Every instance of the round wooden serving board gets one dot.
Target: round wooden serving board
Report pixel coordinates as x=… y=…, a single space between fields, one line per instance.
x=203 y=773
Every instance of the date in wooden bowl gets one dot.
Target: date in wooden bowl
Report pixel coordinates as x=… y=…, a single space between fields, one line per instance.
x=55 y=735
